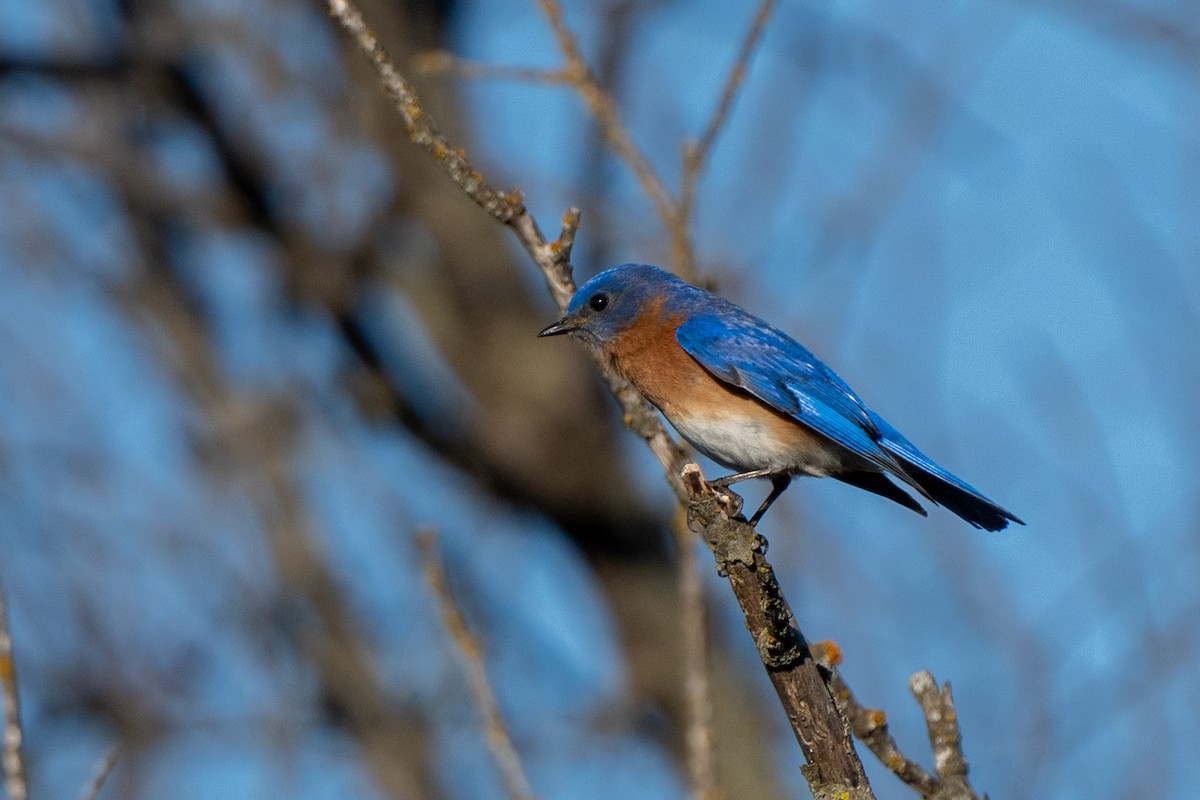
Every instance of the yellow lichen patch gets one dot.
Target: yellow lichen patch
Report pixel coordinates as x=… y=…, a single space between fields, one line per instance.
x=876 y=718
x=6 y=668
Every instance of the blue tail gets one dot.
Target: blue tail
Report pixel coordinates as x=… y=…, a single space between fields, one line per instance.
x=942 y=487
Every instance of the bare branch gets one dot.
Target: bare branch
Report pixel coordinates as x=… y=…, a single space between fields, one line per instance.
x=870 y=726
x=14 y=736
x=499 y=742
x=102 y=772
x=603 y=110
x=441 y=62
x=504 y=206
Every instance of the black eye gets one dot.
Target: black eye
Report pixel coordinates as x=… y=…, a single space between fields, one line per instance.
x=599 y=302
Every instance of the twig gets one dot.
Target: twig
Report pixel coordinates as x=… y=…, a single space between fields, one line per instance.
x=14 y=756
x=102 y=772
x=941 y=720
x=504 y=206
x=603 y=110
x=499 y=742
x=696 y=692
x=441 y=62
x=870 y=726
x=695 y=154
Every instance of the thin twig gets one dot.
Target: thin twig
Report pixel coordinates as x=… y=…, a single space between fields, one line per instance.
x=504 y=206
x=695 y=154
x=498 y=739
x=14 y=737
x=441 y=62
x=102 y=772
x=941 y=720
x=603 y=110
x=696 y=692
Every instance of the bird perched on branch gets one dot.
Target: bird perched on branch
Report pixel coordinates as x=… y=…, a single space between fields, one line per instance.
x=752 y=398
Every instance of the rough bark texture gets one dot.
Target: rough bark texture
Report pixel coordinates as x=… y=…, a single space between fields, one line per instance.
x=833 y=768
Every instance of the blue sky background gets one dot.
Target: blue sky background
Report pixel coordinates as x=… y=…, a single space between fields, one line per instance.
x=982 y=215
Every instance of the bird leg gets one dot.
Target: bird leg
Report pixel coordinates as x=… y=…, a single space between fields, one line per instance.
x=779 y=483
x=729 y=480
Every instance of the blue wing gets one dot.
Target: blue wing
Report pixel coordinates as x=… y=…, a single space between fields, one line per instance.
x=746 y=352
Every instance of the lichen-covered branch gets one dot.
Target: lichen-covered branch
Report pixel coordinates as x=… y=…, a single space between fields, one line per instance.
x=833 y=768
x=870 y=726
x=941 y=720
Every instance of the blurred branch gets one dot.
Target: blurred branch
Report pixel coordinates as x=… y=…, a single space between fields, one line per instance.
x=674 y=213
x=833 y=769
x=696 y=689
x=695 y=154
x=603 y=109
x=14 y=755
x=441 y=62
x=256 y=437
x=102 y=772
x=499 y=742
x=344 y=664
x=870 y=726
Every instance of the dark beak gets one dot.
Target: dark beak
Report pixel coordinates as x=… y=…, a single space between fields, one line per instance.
x=564 y=325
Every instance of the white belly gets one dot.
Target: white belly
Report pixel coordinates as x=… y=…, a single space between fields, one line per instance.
x=746 y=443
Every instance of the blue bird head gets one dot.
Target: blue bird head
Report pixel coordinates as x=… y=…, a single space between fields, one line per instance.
x=613 y=300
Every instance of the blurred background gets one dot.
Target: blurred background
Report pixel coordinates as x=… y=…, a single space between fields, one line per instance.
x=252 y=340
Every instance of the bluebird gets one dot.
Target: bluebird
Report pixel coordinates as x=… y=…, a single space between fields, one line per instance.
x=752 y=398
